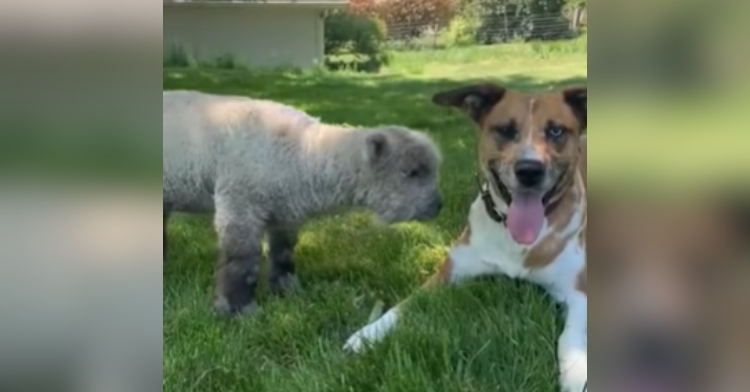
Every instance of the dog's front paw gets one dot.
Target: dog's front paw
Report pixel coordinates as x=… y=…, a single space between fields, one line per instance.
x=368 y=335
x=357 y=342
x=372 y=333
x=575 y=386
x=574 y=378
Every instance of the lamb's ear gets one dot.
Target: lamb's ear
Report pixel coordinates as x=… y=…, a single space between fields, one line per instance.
x=577 y=99
x=476 y=101
x=377 y=146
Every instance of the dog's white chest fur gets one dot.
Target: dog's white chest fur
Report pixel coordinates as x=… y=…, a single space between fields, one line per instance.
x=491 y=250
x=493 y=246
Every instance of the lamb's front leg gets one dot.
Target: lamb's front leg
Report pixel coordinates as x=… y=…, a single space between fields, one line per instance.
x=240 y=231
x=572 y=346
x=281 y=241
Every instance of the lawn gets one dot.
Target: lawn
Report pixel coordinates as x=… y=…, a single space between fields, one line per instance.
x=489 y=335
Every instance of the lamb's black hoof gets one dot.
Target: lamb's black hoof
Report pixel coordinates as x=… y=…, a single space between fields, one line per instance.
x=223 y=307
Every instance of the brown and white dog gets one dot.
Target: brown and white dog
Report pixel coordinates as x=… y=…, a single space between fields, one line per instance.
x=529 y=221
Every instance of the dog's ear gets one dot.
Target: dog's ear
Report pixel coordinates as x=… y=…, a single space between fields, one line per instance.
x=476 y=100
x=576 y=98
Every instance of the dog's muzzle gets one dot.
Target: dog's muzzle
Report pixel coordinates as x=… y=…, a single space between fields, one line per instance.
x=529 y=172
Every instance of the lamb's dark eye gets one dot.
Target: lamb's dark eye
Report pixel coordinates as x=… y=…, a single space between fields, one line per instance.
x=554 y=132
x=506 y=131
x=416 y=173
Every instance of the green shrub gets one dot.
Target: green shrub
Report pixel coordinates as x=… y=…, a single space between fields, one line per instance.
x=462 y=31
x=227 y=61
x=177 y=56
x=518 y=20
x=358 y=37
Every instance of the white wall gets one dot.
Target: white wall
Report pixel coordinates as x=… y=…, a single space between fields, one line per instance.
x=255 y=35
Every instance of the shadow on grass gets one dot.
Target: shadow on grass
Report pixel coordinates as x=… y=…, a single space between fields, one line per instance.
x=347 y=98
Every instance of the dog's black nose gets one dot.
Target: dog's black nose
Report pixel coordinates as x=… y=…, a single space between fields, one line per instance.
x=529 y=172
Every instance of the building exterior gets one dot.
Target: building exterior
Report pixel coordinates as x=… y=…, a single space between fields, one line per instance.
x=254 y=33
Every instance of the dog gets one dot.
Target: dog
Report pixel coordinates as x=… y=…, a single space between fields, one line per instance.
x=529 y=221
x=262 y=167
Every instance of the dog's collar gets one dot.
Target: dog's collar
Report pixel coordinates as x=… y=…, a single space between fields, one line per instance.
x=489 y=204
x=491 y=207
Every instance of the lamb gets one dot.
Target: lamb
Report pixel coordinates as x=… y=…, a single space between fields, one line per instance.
x=261 y=167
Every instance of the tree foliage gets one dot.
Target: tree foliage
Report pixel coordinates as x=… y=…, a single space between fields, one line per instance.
x=408 y=17
x=363 y=37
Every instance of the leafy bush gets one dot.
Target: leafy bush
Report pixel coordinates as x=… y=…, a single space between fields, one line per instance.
x=363 y=7
x=462 y=31
x=407 y=18
x=518 y=20
x=177 y=56
x=226 y=61
x=355 y=36
x=410 y=18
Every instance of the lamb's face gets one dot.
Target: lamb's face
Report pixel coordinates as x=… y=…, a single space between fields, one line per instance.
x=403 y=181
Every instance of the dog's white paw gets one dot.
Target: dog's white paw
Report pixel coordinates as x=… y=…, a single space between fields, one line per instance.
x=574 y=377
x=364 y=337
x=372 y=333
x=574 y=386
x=357 y=342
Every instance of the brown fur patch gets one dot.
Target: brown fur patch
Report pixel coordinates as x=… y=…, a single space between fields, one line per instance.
x=465 y=238
x=442 y=276
x=550 y=246
x=439 y=278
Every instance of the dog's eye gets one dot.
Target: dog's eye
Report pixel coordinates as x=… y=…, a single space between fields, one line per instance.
x=554 y=132
x=506 y=131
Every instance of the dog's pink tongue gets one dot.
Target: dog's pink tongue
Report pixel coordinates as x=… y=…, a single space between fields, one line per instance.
x=525 y=218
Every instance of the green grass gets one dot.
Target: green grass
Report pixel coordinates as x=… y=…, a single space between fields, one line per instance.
x=489 y=335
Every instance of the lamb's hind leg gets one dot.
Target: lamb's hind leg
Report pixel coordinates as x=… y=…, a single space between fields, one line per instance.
x=281 y=243
x=240 y=231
